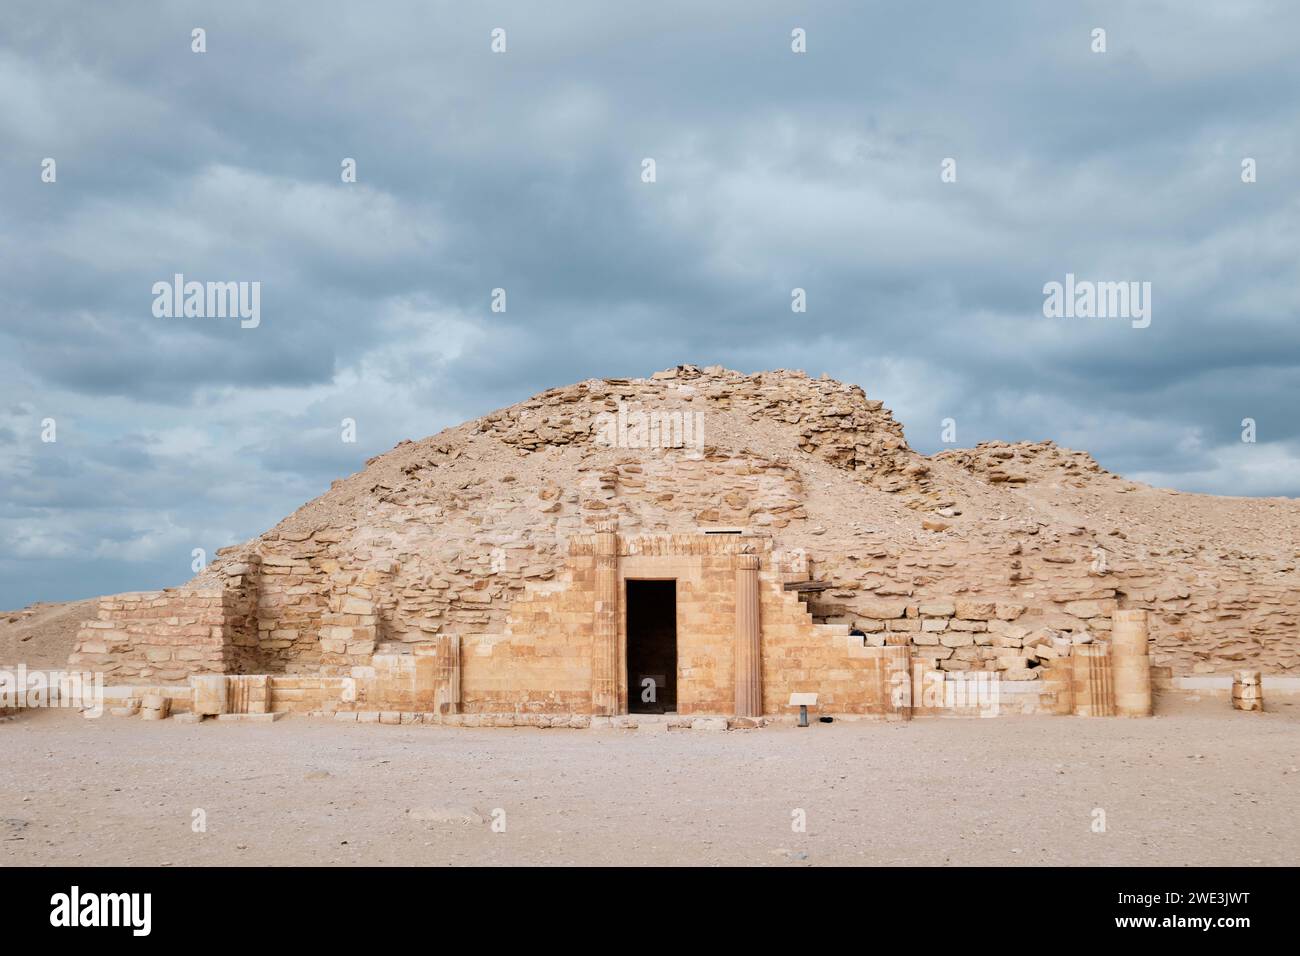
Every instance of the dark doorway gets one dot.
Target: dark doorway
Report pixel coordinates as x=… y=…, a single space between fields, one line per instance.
x=651 y=647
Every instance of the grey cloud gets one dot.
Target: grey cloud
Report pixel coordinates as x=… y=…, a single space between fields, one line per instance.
x=478 y=171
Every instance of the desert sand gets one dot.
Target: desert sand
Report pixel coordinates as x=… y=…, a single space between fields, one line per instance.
x=1197 y=785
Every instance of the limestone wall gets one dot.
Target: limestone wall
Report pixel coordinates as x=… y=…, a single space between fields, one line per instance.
x=541 y=662
x=801 y=656
x=1205 y=616
x=160 y=636
x=464 y=534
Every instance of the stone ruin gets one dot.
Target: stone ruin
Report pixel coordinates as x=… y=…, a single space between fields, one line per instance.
x=566 y=559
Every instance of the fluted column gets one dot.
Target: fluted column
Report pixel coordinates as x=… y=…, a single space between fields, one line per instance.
x=446 y=681
x=1130 y=663
x=1094 y=695
x=604 y=652
x=749 y=653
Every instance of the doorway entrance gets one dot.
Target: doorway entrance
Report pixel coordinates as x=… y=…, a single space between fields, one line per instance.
x=651 y=647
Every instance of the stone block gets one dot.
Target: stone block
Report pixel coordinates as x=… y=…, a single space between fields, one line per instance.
x=975 y=610
x=709 y=723
x=1086 y=609
x=209 y=694
x=1020 y=673
x=881 y=610
x=155 y=707
x=268 y=718
x=357 y=606
x=938 y=609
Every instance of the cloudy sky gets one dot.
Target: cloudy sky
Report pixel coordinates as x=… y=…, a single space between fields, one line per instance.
x=522 y=170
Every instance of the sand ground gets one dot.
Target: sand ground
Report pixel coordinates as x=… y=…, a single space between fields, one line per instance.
x=42 y=635
x=1199 y=784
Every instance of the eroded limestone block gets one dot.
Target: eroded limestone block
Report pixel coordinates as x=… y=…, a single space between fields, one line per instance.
x=155 y=707
x=709 y=723
x=209 y=694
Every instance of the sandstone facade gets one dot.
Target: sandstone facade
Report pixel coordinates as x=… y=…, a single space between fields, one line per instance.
x=481 y=544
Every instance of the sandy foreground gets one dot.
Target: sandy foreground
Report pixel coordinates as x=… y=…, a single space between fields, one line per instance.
x=1198 y=785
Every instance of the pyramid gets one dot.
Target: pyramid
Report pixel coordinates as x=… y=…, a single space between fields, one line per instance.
x=974 y=559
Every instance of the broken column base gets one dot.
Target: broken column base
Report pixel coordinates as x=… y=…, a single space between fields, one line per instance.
x=1247 y=691
x=155 y=707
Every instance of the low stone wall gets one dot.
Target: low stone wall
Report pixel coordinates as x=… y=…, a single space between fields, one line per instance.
x=1203 y=620
x=542 y=662
x=162 y=636
x=417 y=688
x=181 y=696
x=849 y=675
x=968 y=635
x=301 y=612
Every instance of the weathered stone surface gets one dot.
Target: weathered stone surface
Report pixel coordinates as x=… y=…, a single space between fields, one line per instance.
x=209 y=695
x=482 y=533
x=938 y=609
x=975 y=610
x=709 y=723
x=882 y=610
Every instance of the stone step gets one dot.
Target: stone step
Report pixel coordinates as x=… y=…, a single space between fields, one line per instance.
x=832 y=630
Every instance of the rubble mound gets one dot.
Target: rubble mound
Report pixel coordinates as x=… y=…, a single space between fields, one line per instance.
x=823 y=417
x=442 y=535
x=999 y=462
